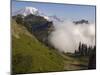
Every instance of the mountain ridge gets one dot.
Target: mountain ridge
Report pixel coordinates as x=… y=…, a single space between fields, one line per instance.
x=32 y=10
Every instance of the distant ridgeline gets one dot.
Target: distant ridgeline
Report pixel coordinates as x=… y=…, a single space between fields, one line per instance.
x=83 y=21
x=37 y=25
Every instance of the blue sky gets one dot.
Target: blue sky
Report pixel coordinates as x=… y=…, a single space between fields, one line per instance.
x=64 y=11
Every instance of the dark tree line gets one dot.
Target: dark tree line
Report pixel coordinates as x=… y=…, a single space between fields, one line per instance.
x=84 y=50
x=88 y=51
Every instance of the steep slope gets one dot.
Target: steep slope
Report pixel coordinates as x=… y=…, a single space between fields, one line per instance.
x=29 y=55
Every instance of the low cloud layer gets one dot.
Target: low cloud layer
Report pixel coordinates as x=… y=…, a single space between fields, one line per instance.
x=66 y=36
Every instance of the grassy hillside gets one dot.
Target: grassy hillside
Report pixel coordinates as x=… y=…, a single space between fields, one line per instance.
x=29 y=55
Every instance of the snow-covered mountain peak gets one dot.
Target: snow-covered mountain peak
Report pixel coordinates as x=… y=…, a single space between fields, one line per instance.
x=26 y=11
x=31 y=9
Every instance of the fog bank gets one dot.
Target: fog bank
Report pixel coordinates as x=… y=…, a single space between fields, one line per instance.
x=67 y=35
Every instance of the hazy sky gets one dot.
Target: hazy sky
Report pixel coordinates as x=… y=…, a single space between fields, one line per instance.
x=65 y=11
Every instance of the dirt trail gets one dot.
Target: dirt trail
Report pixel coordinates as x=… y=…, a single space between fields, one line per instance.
x=72 y=63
